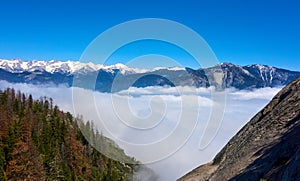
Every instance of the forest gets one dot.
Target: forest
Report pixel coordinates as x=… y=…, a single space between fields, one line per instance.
x=38 y=141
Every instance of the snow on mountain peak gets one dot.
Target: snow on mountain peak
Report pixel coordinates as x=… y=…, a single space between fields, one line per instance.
x=69 y=67
x=261 y=67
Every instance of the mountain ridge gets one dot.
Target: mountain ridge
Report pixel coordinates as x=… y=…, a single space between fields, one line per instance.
x=222 y=76
x=69 y=67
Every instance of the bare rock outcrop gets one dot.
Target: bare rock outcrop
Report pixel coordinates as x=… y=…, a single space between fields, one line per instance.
x=267 y=147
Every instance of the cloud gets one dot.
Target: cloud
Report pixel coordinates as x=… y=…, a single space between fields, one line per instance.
x=263 y=93
x=146 y=121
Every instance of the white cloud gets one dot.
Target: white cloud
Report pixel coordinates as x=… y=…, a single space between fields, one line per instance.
x=263 y=93
x=159 y=110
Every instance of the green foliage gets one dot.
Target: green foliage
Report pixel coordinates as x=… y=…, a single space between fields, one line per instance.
x=62 y=151
x=2 y=163
x=9 y=142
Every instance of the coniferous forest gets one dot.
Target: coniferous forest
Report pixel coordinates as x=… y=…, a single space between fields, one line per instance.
x=40 y=142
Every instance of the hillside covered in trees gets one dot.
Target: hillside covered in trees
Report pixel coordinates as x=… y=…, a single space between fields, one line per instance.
x=40 y=142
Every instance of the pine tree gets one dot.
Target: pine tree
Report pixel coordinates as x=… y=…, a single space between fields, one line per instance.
x=40 y=142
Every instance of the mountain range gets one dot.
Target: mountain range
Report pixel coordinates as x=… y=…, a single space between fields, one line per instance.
x=266 y=148
x=221 y=76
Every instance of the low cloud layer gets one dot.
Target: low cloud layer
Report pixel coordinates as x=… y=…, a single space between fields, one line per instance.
x=139 y=119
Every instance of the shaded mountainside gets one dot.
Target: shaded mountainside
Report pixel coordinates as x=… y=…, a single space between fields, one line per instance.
x=267 y=147
x=40 y=142
x=221 y=76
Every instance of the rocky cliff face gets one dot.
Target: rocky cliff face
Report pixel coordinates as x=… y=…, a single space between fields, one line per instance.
x=268 y=147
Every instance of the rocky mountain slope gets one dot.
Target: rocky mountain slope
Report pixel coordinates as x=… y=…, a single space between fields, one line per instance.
x=221 y=76
x=267 y=147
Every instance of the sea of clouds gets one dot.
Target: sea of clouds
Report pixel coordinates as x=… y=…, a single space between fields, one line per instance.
x=142 y=120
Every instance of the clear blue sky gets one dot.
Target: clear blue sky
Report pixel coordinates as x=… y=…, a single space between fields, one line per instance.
x=241 y=32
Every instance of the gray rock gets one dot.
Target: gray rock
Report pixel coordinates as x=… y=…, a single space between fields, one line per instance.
x=267 y=147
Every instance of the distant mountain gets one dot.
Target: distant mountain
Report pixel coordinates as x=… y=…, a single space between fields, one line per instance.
x=67 y=67
x=221 y=76
x=266 y=148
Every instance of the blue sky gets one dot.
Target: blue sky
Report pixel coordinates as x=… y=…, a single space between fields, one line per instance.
x=241 y=32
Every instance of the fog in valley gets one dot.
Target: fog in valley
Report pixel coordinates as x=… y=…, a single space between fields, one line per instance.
x=160 y=126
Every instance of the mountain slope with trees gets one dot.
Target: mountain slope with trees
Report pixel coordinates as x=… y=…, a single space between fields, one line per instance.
x=40 y=142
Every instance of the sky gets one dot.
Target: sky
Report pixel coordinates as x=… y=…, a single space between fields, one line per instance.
x=238 y=31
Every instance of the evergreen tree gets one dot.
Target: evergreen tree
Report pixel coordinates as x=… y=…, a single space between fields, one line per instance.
x=38 y=141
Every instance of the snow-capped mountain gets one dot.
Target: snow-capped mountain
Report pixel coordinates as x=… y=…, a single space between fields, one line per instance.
x=250 y=76
x=67 y=67
x=221 y=76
